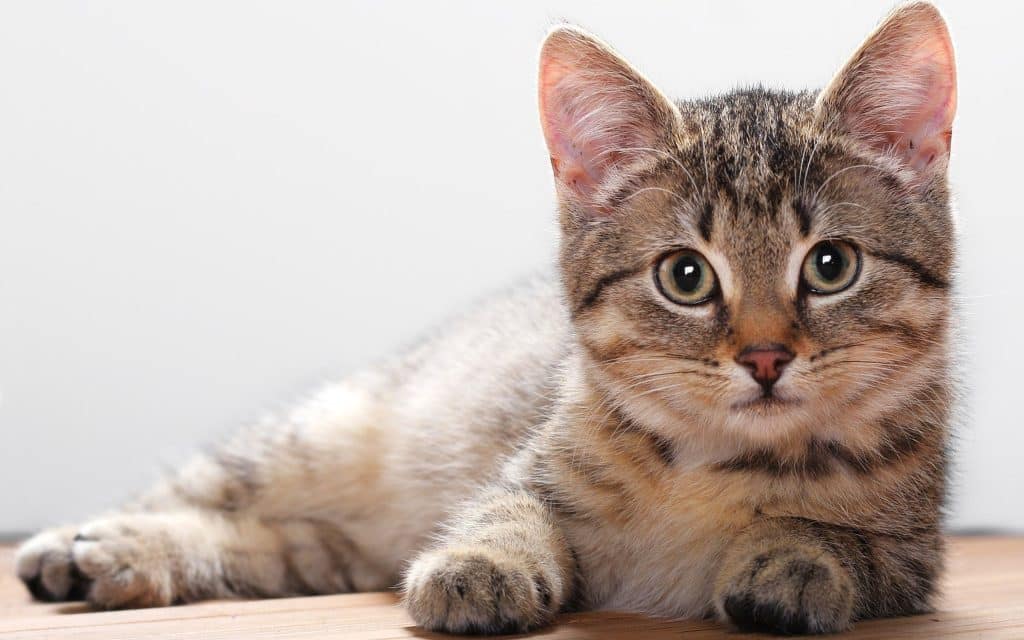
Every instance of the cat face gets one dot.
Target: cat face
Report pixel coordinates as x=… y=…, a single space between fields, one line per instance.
x=760 y=264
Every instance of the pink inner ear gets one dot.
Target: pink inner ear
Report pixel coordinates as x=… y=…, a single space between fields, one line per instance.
x=899 y=95
x=926 y=131
x=596 y=111
x=570 y=159
x=573 y=169
x=575 y=159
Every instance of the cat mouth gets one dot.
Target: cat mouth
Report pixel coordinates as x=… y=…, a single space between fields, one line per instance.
x=765 y=404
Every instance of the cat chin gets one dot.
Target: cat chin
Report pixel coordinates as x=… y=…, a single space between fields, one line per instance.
x=765 y=420
x=746 y=420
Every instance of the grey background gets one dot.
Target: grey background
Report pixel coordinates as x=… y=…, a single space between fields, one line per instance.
x=209 y=207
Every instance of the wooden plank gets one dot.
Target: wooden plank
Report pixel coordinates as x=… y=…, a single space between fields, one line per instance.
x=983 y=597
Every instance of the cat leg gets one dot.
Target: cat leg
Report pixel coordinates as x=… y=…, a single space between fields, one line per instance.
x=206 y=534
x=504 y=566
x=322 y=463
x=158 y=559
x=777 y=577
x=791 y=575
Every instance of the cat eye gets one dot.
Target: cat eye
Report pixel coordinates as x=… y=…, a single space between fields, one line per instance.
x=830 y=267
x=685 y=277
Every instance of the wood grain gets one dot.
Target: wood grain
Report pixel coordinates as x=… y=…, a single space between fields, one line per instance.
x=983 y=598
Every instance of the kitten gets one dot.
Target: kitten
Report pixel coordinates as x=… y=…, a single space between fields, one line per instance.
x=732 y=402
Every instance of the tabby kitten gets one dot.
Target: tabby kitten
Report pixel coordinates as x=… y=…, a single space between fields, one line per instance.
x=733 y=402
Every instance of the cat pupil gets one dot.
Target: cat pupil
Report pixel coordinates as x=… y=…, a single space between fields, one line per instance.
x=829 y=263
x=687 y=274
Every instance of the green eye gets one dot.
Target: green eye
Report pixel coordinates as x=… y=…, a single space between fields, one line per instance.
x=685 y=277
x=830 y=267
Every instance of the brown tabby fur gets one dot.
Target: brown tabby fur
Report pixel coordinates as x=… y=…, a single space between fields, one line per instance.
x=594 y=433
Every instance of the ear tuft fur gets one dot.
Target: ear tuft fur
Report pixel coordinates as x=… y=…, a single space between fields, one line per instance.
x=898 y=91
x=598 y=113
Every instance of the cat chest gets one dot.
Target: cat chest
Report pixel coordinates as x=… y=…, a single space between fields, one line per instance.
x=655 y=546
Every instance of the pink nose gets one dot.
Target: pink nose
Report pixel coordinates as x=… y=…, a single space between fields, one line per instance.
x=765 y=362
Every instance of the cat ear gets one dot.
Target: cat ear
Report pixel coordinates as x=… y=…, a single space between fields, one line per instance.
x=898 y=92
x=601 y=118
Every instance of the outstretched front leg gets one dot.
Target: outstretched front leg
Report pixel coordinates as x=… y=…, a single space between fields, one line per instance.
x=157 y=559
x=287 y=507
x=504 y=566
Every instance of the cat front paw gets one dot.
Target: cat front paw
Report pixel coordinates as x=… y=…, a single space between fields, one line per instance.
x=126 y=561
x=788 y=592
x=43 y=563
x=476 y=590
x=123 y=561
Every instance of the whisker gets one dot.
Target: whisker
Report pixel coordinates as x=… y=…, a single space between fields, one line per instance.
x=824 y=211
x=668 y=191
x=839 y=173
x=877 y=364
x=817 y=143
x=658 y=374
x=707 y=173
x=654 y=356
x=667 y=154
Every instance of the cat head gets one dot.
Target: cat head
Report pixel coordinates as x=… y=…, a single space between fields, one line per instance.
x=761 y=263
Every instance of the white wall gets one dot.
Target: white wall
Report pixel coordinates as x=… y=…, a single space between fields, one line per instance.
x=208 y=207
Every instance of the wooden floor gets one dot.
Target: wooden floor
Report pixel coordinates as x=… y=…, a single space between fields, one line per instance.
x=983 y=598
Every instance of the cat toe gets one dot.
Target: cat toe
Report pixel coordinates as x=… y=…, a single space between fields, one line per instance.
x=44 y=565
x=125 y=566
x=788 y=593
x=474 y=592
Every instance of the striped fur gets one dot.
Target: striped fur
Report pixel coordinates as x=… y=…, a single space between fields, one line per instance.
x=582 y=441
